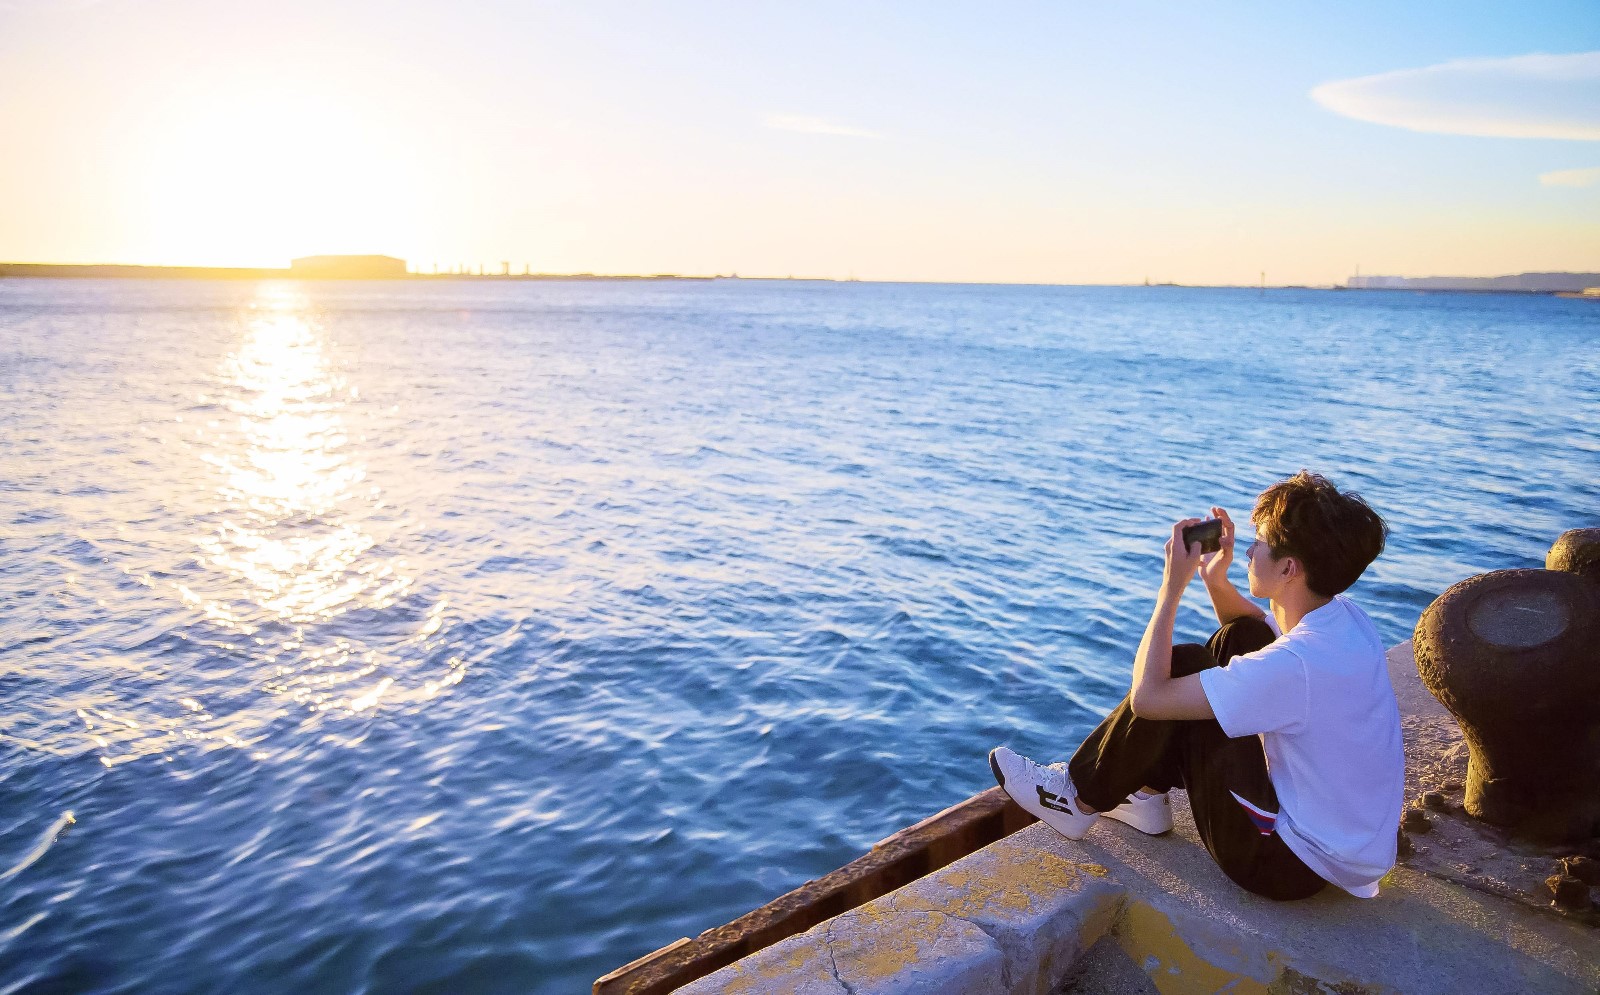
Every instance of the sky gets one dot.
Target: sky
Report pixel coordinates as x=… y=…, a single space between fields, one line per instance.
x=1012 y=142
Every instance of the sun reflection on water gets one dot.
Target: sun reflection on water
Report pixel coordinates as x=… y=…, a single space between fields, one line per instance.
x=289 y=544
x=289 y=605
x=287 y=476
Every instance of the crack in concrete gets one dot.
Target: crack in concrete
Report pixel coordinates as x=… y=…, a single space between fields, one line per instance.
x=1005 y=958
x=833 y=963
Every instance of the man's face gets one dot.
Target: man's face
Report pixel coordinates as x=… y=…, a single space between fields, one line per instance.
x=1265 y=572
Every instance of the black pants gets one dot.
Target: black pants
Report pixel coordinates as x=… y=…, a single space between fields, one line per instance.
x=1125 y=753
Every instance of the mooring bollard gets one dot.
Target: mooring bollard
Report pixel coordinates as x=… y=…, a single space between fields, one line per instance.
x=1515 y=656
x=1578 y=552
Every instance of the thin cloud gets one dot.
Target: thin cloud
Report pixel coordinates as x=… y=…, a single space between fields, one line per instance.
x=1571 y=177
x=817 y=126
x=49 y=6
x=1527 y=96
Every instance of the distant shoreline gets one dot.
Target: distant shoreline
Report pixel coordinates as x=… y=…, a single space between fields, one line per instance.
x=130 y=271
x=124 y=271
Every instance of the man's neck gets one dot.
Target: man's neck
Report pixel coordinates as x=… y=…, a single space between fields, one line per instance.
x=1295 y=604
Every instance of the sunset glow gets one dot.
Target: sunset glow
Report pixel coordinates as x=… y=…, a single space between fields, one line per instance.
x=251 y=178
x=1045 y=145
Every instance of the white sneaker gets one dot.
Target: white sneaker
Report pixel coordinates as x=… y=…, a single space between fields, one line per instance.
x=1046 y=792
x=1147 y=813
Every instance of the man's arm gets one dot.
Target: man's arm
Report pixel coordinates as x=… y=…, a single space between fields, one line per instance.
x=1156 y=693
x=1226 y=600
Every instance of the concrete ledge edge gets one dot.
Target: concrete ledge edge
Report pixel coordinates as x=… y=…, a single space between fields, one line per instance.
x=1007 y=918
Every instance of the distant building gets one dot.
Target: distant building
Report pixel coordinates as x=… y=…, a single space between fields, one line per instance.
x=347 y=267
x=1525 y=282
x=1376 y=282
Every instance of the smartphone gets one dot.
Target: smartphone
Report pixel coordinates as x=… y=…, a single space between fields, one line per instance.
x=1208 y=534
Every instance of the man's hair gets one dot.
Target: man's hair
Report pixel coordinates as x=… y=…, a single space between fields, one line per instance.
x=1333 y=535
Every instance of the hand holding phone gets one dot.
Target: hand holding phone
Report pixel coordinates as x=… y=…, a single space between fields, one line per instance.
x=1208 y=534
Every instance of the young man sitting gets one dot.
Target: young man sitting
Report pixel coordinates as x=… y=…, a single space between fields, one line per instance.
x=1283 y=728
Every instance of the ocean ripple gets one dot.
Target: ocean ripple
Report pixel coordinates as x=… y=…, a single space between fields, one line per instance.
x=452 y=636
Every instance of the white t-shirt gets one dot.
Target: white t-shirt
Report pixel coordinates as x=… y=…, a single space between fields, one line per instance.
x=1321 y=700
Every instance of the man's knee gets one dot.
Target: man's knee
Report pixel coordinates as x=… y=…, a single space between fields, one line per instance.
x=1191 y=658
x=1245 y=634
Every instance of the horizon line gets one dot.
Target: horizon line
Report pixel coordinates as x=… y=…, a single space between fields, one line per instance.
x=286 y=273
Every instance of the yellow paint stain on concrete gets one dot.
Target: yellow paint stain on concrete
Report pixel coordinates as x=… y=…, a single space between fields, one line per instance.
x=904 y=934
x=1015 y=883
x=898 y=940
x=762 y=975
x=1150 y=939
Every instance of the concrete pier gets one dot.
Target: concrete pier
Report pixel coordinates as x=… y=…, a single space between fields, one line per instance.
x=1035 y=913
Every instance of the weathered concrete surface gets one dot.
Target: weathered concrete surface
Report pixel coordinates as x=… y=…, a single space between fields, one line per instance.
x=1042 y=910
x=1108 y=968
x=801 y=964
x=1191 y=929
x=879 y=951
x=1004 y=919
x=1120 y=912
x=869 y=951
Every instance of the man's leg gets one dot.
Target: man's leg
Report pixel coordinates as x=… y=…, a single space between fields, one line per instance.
x=1235 y=806
x=1236 y=809
x=1125 y=753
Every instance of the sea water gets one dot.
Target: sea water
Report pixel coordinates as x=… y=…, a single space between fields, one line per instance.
x=482 y=636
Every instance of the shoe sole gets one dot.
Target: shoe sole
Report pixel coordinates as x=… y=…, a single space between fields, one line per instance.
x=1130 y=819
x=1000 y=778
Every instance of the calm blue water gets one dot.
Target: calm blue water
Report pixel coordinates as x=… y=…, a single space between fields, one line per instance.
x=474 y=638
